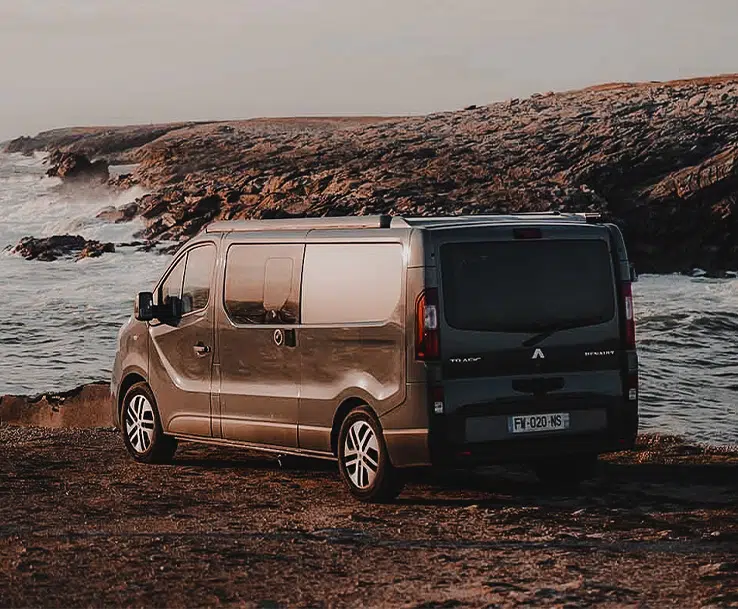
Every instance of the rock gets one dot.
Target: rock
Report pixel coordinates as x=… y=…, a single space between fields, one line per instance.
x=123 y=182
x=49 y=249
x=125 y=213
x=76 y=167
x=169 y=249
x=719 y=570
x=84 y=406
x=23 y=145
x=95 y=249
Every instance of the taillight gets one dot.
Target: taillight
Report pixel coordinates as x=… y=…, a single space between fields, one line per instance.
x=630 y=328
x=426 y=332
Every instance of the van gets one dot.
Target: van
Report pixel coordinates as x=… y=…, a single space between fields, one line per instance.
x=388 y=343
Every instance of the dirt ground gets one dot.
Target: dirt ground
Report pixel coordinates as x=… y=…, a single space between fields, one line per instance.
x=83 y=525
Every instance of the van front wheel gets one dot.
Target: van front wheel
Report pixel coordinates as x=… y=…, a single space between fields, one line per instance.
x=142 y=432
x=363 y=459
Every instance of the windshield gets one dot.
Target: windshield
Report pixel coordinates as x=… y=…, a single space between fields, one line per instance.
x=526 y=285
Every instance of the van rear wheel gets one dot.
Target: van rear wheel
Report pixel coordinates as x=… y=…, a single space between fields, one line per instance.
x=142 y=432
x=363 y=459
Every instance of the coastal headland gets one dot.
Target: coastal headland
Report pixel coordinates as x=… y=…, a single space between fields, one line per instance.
x=658 y=158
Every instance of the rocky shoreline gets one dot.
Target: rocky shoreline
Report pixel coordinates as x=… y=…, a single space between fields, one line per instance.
x=660 y=159
x=82 y=407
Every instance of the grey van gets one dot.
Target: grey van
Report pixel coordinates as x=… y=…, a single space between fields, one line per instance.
x=387 y=343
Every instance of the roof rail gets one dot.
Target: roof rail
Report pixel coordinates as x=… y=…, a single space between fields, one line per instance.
x=386 y=221
x=498 y=218
x=325 y=222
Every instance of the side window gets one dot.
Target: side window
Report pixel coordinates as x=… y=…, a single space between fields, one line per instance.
x=172 y=285
x=197 y=278
x=262 y=284
x=351 y=283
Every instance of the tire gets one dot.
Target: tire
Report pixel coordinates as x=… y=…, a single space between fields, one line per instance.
x=141 y=427
x=566 y=473
x=363 y=459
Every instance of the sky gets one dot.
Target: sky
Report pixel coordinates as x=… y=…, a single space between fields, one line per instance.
x=95 y=62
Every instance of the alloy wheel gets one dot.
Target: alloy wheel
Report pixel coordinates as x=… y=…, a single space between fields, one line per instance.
x=361 y=454
x=140 y=423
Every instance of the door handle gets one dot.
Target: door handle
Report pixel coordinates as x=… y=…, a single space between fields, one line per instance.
x=201 y=349
x=288 y=338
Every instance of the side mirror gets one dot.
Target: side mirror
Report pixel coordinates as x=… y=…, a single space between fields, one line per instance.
x=186 y=304
x=171 y=310
x=143 y=308
x=633 y=274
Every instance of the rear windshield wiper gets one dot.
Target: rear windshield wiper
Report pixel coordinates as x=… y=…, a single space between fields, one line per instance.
x=567 y=325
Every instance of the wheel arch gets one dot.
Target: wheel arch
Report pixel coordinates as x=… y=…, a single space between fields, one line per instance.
x=129 y=380
x=341 y=413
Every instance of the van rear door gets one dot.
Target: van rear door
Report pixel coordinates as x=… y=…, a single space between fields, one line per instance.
x=529 y=325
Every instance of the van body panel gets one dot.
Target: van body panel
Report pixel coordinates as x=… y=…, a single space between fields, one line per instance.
x=132 y=357
x=116 y=394
x=179 y=377
x=406 y=428
x=416 y=249
x=259 y=369
x=340 y=364
x=316 y=438
x=361 y=356
x=489 y=372
x=259 y=387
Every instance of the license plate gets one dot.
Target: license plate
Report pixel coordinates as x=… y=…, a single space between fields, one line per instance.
x=533 y=423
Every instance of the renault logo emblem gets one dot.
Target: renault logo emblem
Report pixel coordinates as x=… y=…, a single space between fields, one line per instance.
x=538 y=354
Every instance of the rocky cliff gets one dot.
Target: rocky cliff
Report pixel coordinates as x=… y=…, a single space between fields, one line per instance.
x=661 y=159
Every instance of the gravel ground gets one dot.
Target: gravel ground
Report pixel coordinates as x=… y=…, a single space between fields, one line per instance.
x=83 y=525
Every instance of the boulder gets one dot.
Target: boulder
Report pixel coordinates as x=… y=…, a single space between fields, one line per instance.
x=95 y=249
x=123 y=182
x=126 y=213
x=76 y=167
x=48 y=249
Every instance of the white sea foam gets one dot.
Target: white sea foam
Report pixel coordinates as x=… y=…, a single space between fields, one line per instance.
x=59 y=320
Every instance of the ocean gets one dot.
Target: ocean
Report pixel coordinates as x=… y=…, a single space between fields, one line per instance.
x=59 y=321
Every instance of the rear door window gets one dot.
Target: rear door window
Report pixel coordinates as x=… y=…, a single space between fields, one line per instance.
x=523 y=286
x=262 y=284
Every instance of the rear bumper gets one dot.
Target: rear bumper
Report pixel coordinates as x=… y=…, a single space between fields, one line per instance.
x=449 y=444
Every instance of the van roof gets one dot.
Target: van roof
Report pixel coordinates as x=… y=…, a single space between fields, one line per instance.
x=386 y=221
